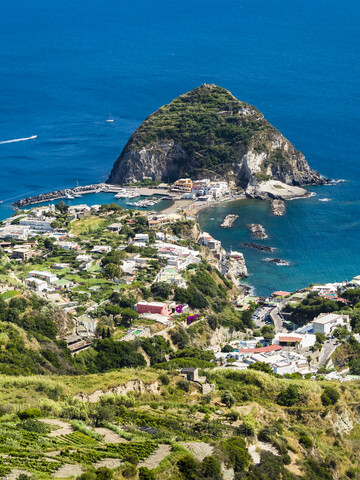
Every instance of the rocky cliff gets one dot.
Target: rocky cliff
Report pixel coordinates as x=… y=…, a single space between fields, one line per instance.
x=208 y=132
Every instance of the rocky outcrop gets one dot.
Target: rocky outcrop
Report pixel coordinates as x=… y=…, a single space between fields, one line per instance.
x=207 y=131
x=129 y=387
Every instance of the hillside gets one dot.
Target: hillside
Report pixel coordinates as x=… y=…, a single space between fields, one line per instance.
x=208 y=132
x=114 y=425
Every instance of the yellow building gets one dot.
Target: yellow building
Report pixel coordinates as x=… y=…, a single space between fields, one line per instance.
x=183 y=184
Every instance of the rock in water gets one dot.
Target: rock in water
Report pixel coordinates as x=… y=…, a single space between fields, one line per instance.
x=208 y=132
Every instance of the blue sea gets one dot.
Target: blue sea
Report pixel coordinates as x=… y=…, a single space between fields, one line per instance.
x=65 y=67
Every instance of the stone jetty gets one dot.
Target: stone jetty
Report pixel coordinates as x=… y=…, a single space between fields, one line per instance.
x=229 y=221
x=48 y=197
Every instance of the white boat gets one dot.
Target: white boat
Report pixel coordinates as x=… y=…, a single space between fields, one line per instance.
x=110 y=119
x=68 y=196
x=76 y=194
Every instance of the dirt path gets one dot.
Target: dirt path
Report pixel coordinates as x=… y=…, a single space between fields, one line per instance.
x=199 y=449
x=63 y=428
x=109 y=435
x=154 y=459
x=69 y=470
x=108 y=462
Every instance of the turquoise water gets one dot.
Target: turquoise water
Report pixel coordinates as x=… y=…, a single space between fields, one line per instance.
x=65 y=67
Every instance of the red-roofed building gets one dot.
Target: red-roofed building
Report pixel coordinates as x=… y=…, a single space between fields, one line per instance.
x=270 y=348
x=281 y=293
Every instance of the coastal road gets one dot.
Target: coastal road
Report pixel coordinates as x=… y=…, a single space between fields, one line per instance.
x=327 y=350
x=277 y=320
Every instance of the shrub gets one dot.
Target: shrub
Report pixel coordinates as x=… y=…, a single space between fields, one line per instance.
x=228 y=398
x=210 y=467
x=33 y=425
x=306 y=441
x=330 y=396
x=188 y=468
x=289 y=396
x=184 y=385
x=145 y=474
x=164 y=379
x=29 y=413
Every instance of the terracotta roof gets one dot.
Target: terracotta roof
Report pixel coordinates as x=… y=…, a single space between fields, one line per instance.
x=289 y=339
x=270 y=348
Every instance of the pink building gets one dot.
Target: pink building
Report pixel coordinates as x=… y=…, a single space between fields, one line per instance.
x=152 y=307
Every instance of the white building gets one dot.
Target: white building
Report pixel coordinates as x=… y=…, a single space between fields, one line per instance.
x=302 y=340
x=141 y=237
x=83 y=258
x=67 y=245
x=37 y=284
x=44 y=275
x=40 y=225
x=326 y=323
x=101 y=249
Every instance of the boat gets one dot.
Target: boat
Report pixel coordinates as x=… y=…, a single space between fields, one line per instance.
x=68 y=196
x=110 y=119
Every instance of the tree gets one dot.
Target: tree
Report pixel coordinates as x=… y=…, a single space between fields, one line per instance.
x=48 y=243
x=320 y=337
x=341 y=333
x=330 y=396
x=113 y=310
x=188 y=468
x=228 y=398
x=112 y=271
x=161 y=289
x=227 y=349
x=288 y=396
x=210 y=467
x=262 y=367
x=128 y=315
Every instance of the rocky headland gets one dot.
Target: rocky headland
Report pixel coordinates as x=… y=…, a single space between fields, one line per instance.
x=208 y=132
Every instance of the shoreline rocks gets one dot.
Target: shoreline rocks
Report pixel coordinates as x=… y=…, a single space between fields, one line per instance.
x=256 y=246
x=277 y=261
x=277 y=207
x=258 y=230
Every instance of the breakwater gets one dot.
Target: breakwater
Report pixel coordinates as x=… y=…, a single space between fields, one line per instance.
x=229 y=221
x=44 y=197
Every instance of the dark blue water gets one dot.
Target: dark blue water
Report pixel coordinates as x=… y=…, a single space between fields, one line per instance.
x=66 y=66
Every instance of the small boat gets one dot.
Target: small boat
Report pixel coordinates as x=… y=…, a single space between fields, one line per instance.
x=110 y=119
x=68 y=196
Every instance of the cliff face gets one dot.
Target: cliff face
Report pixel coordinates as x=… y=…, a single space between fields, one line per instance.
x=208 y=132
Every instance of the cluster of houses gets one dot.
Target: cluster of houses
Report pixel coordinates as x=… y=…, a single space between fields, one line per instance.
x=204 y=190
x=288 y=352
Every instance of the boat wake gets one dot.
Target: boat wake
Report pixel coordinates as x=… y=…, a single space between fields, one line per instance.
x=325 y=199
x=18 y=139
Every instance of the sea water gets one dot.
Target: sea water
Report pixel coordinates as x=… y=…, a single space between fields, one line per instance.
x=66 y=67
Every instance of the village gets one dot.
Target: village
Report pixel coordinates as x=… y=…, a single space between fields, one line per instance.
x=80 y=257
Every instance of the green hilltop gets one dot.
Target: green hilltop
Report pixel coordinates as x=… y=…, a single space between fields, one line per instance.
x=209 y=132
